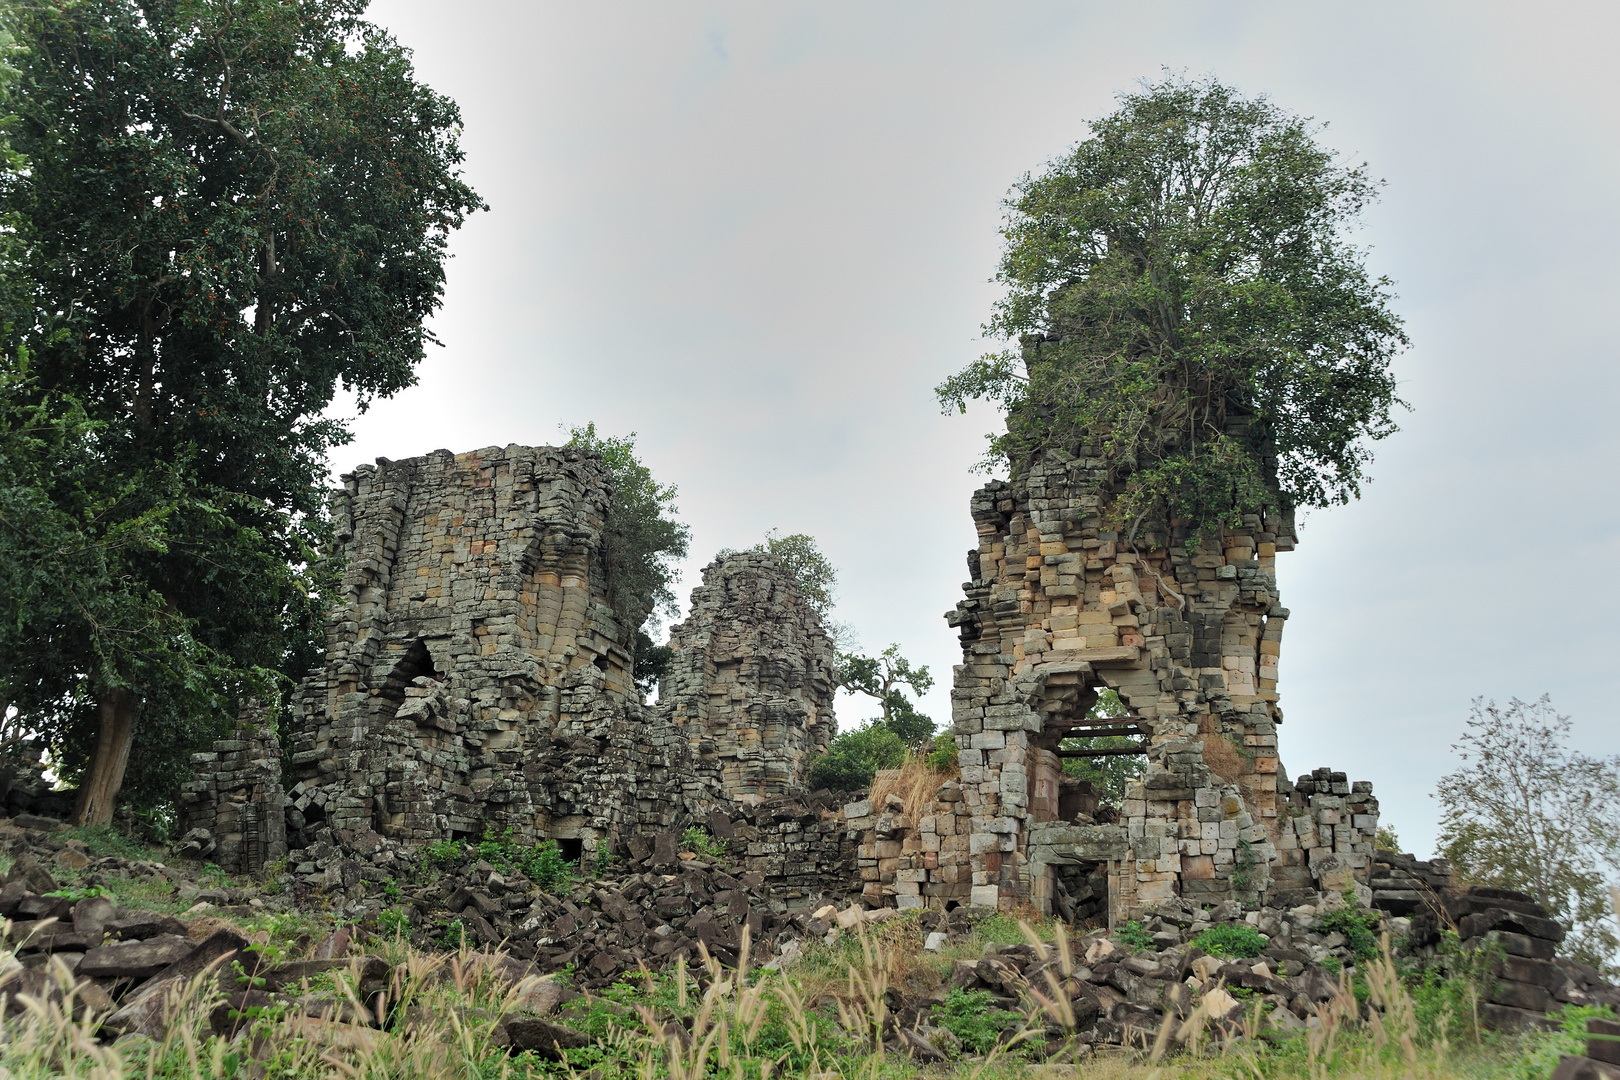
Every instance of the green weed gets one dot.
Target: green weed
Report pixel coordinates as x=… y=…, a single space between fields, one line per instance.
x=1231 y=939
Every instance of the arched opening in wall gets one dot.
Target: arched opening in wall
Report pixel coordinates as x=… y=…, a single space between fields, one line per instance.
x=414 y=663
x=1088 y=750
x=571 y=848
x=1080 y=894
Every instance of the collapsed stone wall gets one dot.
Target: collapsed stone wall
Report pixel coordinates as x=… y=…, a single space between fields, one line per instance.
x=235 y=798
x=1188 y=631
x=478 y=679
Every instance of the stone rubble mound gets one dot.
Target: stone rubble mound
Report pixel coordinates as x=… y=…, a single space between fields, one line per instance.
x=1529 y=980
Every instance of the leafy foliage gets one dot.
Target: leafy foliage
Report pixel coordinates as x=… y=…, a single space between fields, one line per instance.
x=1132 y=936
x=1525 y=811
x=1359 y=927
x=853 y=758
x=974 y=1018
x=642 y=539
x=225 y=212
x=1108 y=775
x=882 y=677
x=700 y=843
x=1187 y=308
x=811 y=571
x=1231 y=939
x=543 y=863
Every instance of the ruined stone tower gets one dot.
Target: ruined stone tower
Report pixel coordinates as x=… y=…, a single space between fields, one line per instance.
x=1189 y=633
x=752 y=679
x=476 y=678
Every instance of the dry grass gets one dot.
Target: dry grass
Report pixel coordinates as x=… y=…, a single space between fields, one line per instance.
x=914 y=782
x=824 y=1020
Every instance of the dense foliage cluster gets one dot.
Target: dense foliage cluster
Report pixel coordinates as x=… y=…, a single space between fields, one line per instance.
x=1184 y=304
x=642 y=539
x=216 y=215
x=882 y=677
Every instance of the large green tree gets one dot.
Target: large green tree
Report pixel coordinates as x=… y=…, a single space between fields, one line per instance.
x=225 y=212
x=1186 y=306
x=882 y=677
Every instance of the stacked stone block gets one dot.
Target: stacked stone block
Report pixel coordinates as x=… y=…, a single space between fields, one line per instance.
x=1326 y=834
x=913 y=863
x=234 y=807
x=1187 y=628
x=477 y=679
x=752 y=679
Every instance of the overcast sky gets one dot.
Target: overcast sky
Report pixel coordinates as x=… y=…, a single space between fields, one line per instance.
x=758 y=234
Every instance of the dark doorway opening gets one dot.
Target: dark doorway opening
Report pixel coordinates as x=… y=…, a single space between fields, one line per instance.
x=571 y=847
x=1080 y=894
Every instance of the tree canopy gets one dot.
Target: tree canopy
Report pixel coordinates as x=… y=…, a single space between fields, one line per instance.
x=882 y=677
x=642 y=540
x=1186 y=306
x=221 y=213
x=1525 y=811
x=642 y=537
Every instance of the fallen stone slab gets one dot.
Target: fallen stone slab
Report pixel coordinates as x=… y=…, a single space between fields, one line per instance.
x=142 y=926
x=92 y=914
x=146 y=1011
x=135 y=959
x=542 y=1037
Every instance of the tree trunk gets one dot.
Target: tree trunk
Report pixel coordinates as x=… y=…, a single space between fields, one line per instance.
x=115 y=733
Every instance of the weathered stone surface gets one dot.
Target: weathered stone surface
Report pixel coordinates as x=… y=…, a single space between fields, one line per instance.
x=135 y=959
x=478 y=677
x=139 y=926
x=143 y=1012
x=541 y=1036
x=92 y=914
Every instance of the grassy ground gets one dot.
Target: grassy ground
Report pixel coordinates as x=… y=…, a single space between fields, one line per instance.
x=819 y=1020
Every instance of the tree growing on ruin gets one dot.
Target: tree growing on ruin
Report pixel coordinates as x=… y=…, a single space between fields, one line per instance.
x=1525 y=811
x=221 y=213
x=642 y=538
x=1186 y=305
x=886 y=677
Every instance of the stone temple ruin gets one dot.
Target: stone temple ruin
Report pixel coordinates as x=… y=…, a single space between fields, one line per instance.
x=477 y=679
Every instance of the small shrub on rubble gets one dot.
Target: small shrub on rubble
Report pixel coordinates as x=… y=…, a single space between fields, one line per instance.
x=974 y=1018
x=1233 y=939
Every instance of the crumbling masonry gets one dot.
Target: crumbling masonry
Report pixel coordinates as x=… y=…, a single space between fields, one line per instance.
x=477 y=679
x=1188 y=632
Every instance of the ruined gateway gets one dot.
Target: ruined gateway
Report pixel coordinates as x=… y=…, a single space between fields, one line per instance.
x=477 y=680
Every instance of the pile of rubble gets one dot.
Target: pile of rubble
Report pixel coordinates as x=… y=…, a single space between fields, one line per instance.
x=1528 y=980
x=656 y=908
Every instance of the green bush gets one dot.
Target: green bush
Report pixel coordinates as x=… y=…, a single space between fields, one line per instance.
x=973 y=1017
x=852 y=759
x=942 y=756
x=700 y=843
x=542 y=864
x=1231 y=939
x=1360 y=928
x=1133 y=937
